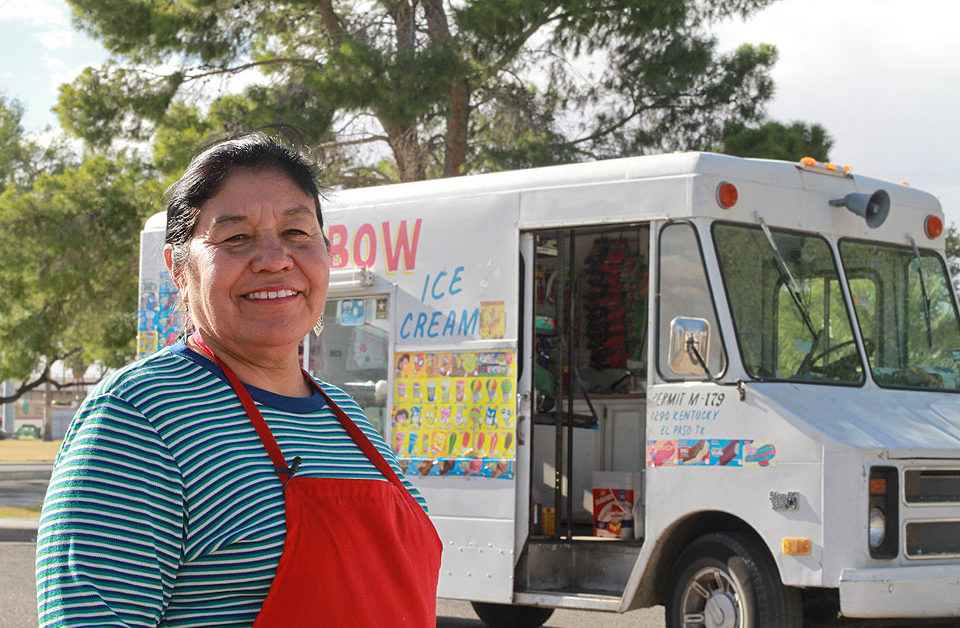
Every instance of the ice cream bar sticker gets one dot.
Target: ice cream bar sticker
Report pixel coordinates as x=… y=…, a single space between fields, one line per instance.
x=694 y=452
x=726 y=453
x=661 y=453
x=759 y=453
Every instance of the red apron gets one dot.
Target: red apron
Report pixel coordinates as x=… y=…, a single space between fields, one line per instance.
x=358 y=553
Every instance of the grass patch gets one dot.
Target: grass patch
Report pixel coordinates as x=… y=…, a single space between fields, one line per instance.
x=28 y=450
x=11 y=512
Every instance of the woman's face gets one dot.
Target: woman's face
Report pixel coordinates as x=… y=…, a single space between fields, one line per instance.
x=257 y=267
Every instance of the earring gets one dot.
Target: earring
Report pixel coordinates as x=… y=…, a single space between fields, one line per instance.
x=318 y=328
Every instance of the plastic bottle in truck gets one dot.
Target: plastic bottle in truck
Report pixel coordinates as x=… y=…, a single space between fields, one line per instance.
x=723 y=385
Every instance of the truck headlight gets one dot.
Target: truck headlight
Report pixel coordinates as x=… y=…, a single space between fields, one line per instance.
x=878 y=528
x=883 y=512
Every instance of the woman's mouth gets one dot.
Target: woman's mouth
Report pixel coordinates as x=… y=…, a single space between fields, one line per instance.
x=270 y=294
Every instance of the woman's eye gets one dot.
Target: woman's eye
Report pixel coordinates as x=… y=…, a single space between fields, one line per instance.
x=296 y=232
x=240 y=237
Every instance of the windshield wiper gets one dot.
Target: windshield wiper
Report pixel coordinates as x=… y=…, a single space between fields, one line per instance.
x=923 y=290
x=794 y=290
x=695 y=354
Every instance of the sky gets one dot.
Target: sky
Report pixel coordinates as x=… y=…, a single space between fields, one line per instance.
x=882 y=76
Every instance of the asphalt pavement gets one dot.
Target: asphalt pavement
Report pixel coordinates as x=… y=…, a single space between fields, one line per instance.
x=22 y=485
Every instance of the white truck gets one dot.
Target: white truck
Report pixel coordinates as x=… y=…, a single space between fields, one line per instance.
x=727 y=386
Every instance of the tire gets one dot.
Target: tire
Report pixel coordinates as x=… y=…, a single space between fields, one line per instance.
x=729 y=580
x=511 y=615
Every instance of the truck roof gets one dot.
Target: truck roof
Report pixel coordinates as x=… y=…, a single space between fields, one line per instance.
x=678 y=185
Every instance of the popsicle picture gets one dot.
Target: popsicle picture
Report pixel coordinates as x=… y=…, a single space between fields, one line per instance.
x=491 y=388
x=506 y=387
x=476 y=387
x=439 y=443
x=491 y=417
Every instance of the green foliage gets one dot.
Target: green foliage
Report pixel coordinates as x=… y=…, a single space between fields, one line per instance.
x=446 y=88
x=22 y=159
x=12 y=151
x=109 y=102
x=774 y=140
x=69 y=265
x=952 y=244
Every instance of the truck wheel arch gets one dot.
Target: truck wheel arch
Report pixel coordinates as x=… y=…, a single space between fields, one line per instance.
x=654 y=585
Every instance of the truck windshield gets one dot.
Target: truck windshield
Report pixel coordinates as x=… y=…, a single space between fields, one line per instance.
x=906 y=314
x=787 y=305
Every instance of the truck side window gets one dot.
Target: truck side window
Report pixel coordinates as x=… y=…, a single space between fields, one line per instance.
x=683 y=291
x=353 y=352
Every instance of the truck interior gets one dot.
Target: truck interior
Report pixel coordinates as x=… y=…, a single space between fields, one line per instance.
x=590 y=293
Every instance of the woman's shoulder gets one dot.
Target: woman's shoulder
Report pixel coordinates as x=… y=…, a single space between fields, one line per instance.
x=160 y=369
x=337 y=394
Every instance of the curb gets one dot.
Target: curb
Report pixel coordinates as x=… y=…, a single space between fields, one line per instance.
x=16 y=530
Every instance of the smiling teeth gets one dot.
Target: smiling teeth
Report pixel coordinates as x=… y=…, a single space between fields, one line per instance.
x=271 y=295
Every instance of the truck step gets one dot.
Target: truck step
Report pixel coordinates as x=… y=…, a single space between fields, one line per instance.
x=568 y=599
x=597 y=568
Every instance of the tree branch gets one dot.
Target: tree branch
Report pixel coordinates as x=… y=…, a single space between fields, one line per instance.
x=252 y=64
x=514 y=48
x=437 y=25
x=44 y=377
x=331 y=21
x=364 y=140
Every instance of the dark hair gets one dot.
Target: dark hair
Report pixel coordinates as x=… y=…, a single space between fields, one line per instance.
x=206 y=172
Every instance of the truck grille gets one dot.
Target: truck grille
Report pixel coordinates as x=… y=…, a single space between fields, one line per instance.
x=932 y=539
x=931 y=486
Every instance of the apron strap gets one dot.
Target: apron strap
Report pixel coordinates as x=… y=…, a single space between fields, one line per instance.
x=370 y=451
x=270 y=443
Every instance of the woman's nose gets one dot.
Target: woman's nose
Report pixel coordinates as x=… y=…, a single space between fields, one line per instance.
x=271 y=256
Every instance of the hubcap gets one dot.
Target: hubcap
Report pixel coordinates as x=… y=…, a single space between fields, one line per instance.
x=711 y=599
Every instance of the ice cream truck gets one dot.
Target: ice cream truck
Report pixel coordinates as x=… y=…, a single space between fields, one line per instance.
x=726 y=386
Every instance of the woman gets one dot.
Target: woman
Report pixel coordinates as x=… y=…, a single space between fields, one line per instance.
x=215 y=482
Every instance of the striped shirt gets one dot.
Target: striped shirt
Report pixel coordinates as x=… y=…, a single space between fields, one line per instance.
x=164 y=508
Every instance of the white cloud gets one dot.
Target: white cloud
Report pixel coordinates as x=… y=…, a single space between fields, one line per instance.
x=57 y=38
x=35 y=12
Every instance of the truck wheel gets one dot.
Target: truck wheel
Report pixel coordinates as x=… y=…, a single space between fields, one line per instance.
x=511 y=615
x=728 y=580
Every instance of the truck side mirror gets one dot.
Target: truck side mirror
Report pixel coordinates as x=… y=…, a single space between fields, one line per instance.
x=687 y=334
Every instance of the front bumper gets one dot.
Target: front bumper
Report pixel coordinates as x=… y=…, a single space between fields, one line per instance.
x=927 y=591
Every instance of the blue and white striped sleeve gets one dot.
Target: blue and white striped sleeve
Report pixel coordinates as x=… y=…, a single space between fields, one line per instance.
x=112 y=526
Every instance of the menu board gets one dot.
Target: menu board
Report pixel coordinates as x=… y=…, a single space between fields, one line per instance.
x=454 y=413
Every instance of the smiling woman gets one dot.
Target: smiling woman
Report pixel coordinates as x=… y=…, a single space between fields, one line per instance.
x=216 y=482
x=254 y=276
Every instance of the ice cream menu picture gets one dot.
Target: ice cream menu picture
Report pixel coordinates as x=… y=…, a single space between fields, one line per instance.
x=454 y=413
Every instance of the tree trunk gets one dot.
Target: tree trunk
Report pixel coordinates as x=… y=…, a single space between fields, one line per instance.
x=455 y=140
x=47 y=412
x=409 y=154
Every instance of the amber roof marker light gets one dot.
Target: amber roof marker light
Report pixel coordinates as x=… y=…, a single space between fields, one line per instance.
x=933 y=226
x=727 y=195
